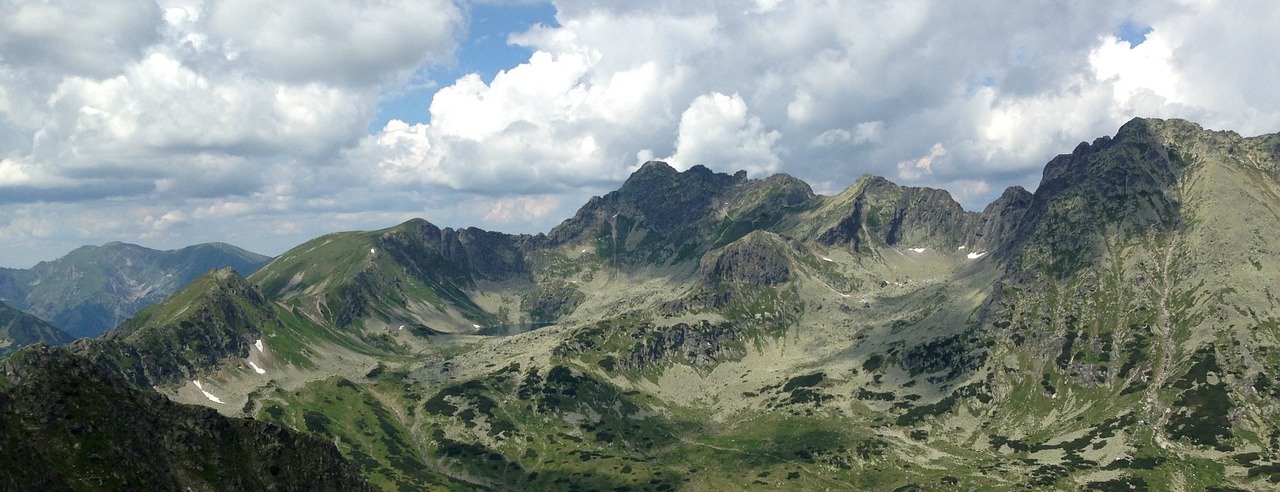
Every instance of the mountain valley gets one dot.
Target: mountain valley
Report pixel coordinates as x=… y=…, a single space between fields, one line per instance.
x=1115 y=329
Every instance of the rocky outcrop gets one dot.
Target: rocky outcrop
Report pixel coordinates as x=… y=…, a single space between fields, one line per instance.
x=998 y=223
x=699 y=345
x=761 y=259
x=881 y=212
x=654 y=216
x=458 y=256
x=662 y=216
x=216 y=317
x=552 y=300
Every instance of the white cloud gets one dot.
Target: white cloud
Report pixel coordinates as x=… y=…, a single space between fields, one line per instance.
x=236 y=113
x=521 y=208
x=1133 y=70
x=326 y=41
x=865 y=132
x=719 y=132
x=914 y=169
x=967 y=190
x=554 y=122
x=81 y=37
x=223 y=208
x=164 y=221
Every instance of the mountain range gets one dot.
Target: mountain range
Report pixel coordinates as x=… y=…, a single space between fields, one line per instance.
x=94 y=288
x=1115 y=329
x=18 y=329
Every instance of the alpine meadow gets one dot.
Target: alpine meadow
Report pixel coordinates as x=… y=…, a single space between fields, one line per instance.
x=670 y=245
x=1114 y=330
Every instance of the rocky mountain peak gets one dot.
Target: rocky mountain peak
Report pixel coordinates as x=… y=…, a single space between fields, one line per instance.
x=877 y=211
x=759 y=259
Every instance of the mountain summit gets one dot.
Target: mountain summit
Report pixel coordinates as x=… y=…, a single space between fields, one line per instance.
x=1112 y=330
x=94 y=288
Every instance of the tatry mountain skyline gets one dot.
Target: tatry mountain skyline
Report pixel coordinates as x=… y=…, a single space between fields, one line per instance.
x=94 y=288
x=1114 y=329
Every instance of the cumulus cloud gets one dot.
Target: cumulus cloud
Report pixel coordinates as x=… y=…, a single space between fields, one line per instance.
x=552 y=123
x=718 y=131
x=521 y=208
x=326 y=41
x=235 y=113
x=190 y=98
x=865 y=132
x=912 y=170
x=80 y=37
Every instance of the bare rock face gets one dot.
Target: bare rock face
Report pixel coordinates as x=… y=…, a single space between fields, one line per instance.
x=760 y=259
x=552 y=300
x=458 y=256
x=662 y=216
x=998 y=223
x=884 y=213
x=699 y=345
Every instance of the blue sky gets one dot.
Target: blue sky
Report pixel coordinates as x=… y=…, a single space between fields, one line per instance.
x=485 y=51
x=265 y=125
x=1133 y=31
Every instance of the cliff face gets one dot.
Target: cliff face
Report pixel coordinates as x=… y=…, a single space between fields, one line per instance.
x=879 y=212
x=761 y=259
x=998 y=223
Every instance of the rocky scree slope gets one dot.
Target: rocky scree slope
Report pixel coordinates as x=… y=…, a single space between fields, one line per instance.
x=1112 y=330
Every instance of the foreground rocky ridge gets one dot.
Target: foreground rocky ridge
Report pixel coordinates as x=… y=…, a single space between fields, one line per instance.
x=66 y=424
x=1115 y=329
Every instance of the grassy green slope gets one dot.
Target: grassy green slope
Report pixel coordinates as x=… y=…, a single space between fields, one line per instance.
x=93 y=288
x=18 y=329
x=399 y=275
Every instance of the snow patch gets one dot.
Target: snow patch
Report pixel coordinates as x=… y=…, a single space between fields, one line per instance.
x=257 y=369
x=372 y=251
x=476 y=326
x=826 y=259
x=401 y=327
x=962 y=247
x=974 y=256
x=918 y=250
x=258 y=344
x=584 y=251
x=207 y=394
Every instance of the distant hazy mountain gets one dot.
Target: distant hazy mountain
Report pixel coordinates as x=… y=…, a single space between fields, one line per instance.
x=1115 y=329
x=18 y=329
x=94 y=288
